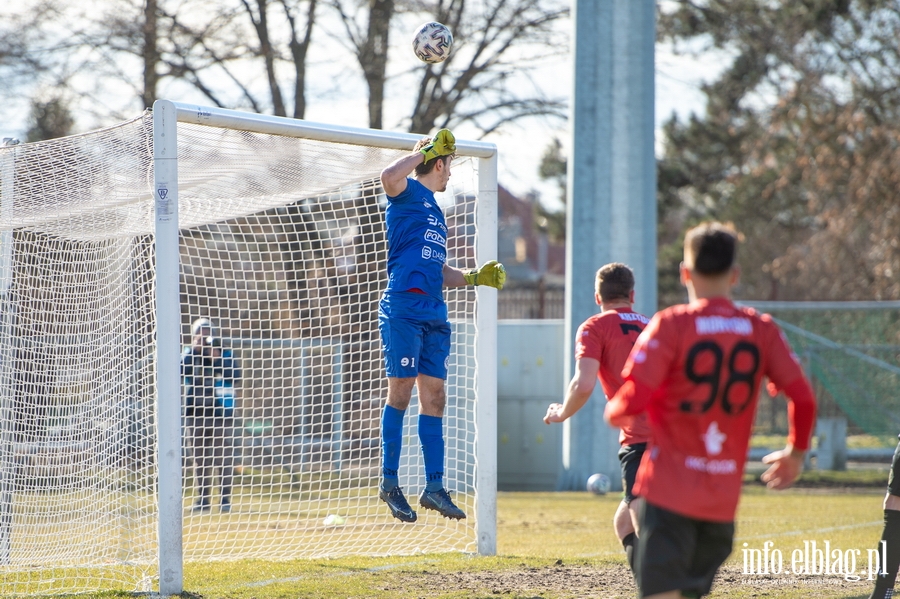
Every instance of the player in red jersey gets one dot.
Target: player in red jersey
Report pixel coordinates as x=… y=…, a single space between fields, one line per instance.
x=602 y=345
x=696 y=371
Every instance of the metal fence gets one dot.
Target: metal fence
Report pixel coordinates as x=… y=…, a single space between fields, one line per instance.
x=535 y=302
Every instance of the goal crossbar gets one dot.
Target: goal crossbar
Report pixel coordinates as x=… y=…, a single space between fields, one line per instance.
x=276 y=125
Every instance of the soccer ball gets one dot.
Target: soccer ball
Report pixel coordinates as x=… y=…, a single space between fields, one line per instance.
x=432 y=42
x=334 y=520
x=598 y=484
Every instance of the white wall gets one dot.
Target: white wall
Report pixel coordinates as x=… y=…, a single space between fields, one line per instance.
x=530 y=376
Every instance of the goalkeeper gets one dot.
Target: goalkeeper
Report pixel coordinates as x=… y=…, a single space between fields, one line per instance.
x=412 y=315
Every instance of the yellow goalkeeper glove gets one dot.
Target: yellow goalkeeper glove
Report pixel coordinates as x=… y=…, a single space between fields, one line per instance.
x=491 y=274
x=442 y=144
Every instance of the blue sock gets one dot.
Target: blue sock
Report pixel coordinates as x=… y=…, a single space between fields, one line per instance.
x=391 y=444
x=431 y=434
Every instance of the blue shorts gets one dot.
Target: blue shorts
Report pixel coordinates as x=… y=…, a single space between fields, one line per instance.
x=415 y=334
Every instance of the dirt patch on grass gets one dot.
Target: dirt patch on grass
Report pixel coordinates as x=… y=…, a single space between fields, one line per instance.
x=560 y=580
x=615 y=582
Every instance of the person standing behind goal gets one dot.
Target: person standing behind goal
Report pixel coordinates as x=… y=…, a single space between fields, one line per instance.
x=412 y=316
x=696 y=371
x=209 y=373
x=602 y=345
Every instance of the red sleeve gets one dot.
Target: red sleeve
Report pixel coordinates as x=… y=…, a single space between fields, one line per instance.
x=632 y=398
x=587 y=342
x=782 y=366
x=801 y=413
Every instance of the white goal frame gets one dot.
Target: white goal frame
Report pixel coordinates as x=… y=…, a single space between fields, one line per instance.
x=166 y=116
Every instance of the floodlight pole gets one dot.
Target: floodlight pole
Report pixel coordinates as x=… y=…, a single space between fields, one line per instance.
x=168 y=331
x=611 y=193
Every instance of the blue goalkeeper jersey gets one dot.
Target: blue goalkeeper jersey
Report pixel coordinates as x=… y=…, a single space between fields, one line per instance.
x=417 y=241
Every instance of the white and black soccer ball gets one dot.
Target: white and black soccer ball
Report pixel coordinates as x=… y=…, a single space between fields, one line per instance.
x=432 y=42
x=598 y=484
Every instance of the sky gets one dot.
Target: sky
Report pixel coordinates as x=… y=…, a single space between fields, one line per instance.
x=520 y=144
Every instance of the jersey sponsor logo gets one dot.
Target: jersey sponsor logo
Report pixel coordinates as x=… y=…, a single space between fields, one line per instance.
x=633 y=316
x=435 y=237
x=430 y=253
x=702 y=464
x=435 y=222
x=714 y=438
x=714 y=325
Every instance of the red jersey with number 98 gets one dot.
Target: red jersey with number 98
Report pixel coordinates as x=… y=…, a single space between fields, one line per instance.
x=705 y=361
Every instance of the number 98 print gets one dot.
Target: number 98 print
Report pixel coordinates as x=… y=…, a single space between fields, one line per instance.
x=704 y=367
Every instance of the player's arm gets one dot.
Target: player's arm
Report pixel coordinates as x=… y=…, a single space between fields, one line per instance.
x=787 y=464
x=393 y=177
x=492 y=274
x=453 y=277
x=579 y=391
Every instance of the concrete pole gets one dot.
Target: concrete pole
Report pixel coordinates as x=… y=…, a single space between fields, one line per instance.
x=611 y=194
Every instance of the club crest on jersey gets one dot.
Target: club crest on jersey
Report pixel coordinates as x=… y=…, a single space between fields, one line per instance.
x=714 y=438
x=435 y=237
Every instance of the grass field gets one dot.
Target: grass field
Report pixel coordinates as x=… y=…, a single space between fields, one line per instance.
x=561 y=545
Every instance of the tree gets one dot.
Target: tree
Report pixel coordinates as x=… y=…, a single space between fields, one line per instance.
x=493 y=45
x=797 y=145
x=369 y=43
x=49 y=119
x=254 y=54
x=208 y=46
x=553 y=167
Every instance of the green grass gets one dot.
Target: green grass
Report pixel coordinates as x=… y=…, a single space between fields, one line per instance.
x=874 y=476
x=566 y=535
x=541 y=530
x=853 y=441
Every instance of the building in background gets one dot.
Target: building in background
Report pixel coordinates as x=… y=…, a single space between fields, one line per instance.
x=535 y=265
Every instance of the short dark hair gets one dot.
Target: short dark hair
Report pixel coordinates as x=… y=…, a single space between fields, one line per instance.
x=614 y=281
x=428 y=166
x=710 y=248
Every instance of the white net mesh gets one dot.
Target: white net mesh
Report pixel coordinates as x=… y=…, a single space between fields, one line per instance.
x=283 y=248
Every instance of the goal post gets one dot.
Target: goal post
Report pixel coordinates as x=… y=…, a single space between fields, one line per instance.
x=166 y=115
x=114 y=244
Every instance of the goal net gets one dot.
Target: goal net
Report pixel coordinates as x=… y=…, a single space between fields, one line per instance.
x=281 y=246
x=851 y=353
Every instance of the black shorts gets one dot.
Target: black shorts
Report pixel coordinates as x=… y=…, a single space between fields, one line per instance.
x=677 y=553
x=893 y=486
x=630 y=458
